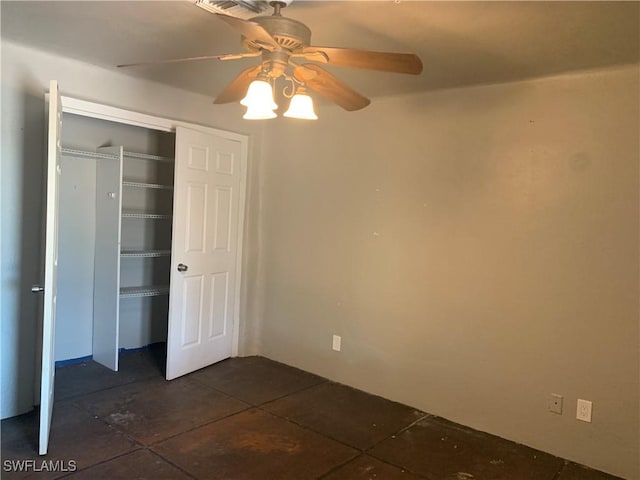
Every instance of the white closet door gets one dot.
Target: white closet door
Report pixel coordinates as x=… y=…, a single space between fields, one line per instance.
x=50 y=266
x=204 y=256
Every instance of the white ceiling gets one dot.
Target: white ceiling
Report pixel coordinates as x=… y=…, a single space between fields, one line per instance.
x=460 y=43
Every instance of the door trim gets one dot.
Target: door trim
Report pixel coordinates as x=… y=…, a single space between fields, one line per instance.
x=129 y=117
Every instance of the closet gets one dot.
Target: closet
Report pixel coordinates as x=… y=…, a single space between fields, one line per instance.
x=149 y=216
x=115 y=215
x=118 y=226
x=122 y=217
x=134 y=209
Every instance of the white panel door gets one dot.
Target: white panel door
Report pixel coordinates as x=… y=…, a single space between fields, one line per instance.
x=205 y=252
x=50 y=266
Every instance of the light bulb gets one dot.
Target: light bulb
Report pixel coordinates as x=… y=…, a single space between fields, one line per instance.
x=259 y=95
x=301 y=106
x=257 y=113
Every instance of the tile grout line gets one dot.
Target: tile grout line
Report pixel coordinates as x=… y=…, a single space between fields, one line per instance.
x=136 y=447
x=189 y=474
x=394 y=435
x=360 y=451
x=155 y=444
x=294 y=393
x=76 y=397
x=249 y=406
x=74 y=401
x=339 y=466
x=308 y=387
x=561 y=470
x=365 y=454
x=136 y=442
x=310 y=429
x=101 y=462
x=142 y=445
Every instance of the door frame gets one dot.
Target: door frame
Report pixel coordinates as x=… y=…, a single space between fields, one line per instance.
x=130 y=117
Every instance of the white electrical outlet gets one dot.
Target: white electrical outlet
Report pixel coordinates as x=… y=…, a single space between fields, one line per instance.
x=337 y=341
x=584 y=410
x=555 y=403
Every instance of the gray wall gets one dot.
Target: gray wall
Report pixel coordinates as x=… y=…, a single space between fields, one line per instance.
x=476 y=249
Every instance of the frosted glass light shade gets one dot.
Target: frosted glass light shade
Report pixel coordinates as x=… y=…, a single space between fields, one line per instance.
x=257 y=113
x=301 y=106
x=259 y=95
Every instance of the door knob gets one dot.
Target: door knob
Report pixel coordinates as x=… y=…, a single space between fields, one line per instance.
x=37 y=289
x=182 y=267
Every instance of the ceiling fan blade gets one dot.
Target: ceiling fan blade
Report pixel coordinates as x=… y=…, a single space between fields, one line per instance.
x=237 y=56
x=252 y=30
x=327 y=85
x=384 y=61
x=237 y=89
x=229 y=56
x=315 y=56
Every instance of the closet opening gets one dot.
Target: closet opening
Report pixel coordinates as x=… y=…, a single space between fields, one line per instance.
x=114 y=240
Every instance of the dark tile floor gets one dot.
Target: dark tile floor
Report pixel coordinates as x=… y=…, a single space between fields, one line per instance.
x=253 y=419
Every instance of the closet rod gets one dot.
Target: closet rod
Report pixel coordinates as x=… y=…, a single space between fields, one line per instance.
x=145 y=253
x=153 y=291
x=147 y=185
x=152 y=216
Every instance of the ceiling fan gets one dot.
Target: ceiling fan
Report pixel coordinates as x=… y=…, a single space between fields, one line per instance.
x=280 y=42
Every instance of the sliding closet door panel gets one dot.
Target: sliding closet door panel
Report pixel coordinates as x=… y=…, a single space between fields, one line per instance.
x=204 y=255
x=107 y=260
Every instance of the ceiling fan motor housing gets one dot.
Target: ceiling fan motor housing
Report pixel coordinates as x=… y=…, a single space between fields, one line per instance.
x=290 y=34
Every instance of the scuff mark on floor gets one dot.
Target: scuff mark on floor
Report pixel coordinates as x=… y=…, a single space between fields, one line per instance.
x=464 y=476
x=122 y=418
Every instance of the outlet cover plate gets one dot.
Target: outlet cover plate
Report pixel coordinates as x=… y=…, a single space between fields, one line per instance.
x=583 y=411
x=337 y=343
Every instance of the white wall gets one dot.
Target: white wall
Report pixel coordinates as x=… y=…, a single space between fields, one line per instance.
x=25 y=78
x=476 y=249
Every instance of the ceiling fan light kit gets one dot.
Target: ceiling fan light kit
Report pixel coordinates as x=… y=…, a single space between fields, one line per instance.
x=257 y=113
x=261 y=106
x=259 y=95
x=301 y=106
x=279 y=41
x=259 y=101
